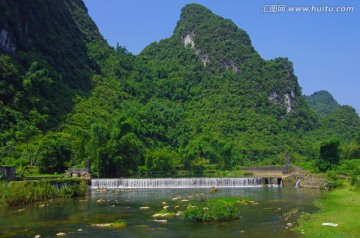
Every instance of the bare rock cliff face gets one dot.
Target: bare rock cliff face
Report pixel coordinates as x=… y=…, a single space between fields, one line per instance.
x=6 y=44
x=287 y=99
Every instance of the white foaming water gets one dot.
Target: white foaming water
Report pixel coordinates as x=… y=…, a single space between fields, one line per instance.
x=177 y=183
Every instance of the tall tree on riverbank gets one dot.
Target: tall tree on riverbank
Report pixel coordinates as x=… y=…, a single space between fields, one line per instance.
x=329 y=155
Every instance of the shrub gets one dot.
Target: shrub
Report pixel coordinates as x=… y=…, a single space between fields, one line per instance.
x=349 y=167
x=334 y=181
x=74 y=190
x=355 y=181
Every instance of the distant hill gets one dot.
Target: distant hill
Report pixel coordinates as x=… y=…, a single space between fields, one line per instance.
x=322 y=102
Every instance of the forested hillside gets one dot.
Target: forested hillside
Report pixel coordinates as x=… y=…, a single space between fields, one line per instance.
x=201 y=99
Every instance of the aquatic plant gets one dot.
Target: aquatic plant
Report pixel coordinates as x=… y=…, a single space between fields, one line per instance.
x=119 y=224
x=116 y=224
x=218 y=209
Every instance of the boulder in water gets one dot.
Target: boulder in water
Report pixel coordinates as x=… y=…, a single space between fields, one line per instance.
x=161 y=221
x=164 y=214
x=102 y=189
x=102 y=225
x=100 y=202
x=61 y=234
x=179 y=213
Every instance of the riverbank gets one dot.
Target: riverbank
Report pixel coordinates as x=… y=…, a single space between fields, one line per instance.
x=337 y=217
x=306 y=179
x=24 y=192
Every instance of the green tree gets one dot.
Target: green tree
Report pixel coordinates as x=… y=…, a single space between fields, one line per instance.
x=161 y=160
x=357 y=138
x=227 y=153
x=99 y=135
x=53 y=153
x=329 y=155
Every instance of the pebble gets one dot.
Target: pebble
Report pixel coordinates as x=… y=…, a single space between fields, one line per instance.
x=61 y=234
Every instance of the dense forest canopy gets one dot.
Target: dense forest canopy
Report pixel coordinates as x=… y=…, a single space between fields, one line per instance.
x=201 y=99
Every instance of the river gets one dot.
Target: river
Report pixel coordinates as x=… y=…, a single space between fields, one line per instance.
x=268 y=218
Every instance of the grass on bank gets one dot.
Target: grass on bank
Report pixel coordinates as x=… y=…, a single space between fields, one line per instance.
x=341 y=206
x=24 y=192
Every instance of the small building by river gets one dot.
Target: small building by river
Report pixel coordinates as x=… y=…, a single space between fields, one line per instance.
x=80 y=172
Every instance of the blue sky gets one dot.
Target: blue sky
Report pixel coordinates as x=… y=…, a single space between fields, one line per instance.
x=323 y=46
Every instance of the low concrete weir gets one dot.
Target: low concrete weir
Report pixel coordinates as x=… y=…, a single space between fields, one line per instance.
x=183 y=183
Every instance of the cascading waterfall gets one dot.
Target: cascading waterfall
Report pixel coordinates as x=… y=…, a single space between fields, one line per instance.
x=177 y=183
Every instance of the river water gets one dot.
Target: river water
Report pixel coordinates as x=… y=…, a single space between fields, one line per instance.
x=75 y=217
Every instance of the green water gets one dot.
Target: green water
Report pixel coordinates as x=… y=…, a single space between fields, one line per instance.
x=268 y=218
